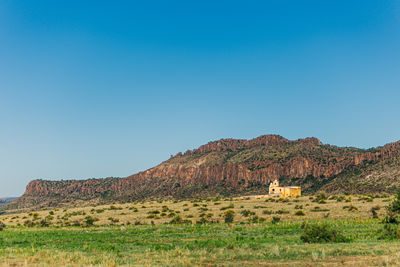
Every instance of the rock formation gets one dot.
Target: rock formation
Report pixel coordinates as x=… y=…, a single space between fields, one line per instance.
x=231 y=167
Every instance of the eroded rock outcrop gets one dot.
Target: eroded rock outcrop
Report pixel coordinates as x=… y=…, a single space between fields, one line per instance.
x=227 y=166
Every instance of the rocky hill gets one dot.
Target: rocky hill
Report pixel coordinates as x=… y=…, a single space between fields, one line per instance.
x=236 y=166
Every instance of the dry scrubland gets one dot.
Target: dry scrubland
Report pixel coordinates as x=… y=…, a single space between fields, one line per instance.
x=253 y=208
x=264 y=231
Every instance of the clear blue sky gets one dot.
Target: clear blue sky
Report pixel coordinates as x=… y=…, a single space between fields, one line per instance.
x=110 y=88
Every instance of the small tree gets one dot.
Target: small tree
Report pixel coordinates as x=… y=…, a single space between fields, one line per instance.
x=229 y=215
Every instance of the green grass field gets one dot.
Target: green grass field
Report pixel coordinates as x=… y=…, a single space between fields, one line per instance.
x=187 y=245
x=241 y=243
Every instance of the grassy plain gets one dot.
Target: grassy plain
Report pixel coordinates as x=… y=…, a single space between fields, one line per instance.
x=141 y=234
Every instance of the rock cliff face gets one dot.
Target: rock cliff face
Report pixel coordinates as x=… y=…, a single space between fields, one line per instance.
x=229 y=167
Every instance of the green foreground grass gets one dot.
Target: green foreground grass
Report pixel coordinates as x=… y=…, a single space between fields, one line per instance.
x=187 y=245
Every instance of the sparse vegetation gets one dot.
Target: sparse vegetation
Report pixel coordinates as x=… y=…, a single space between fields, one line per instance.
x=259 y=225
x=299 y=213
x=229 y=216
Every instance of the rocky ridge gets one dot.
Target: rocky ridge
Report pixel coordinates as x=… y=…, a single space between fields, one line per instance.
x=233 y=167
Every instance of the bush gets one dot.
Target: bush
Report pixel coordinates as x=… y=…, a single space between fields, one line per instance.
x=282 y=212
x=350 y=208
x=247 y=213
x=227 y=207
x=275 y=219
x=395 y=205
x=299 y=213
x=374 y=211
x=229 y=215
x=256 y=219
x=322 y=233
x=2 y=226
x=320 y=198
x=318 y=209
x=44 y=223
x=392 y=211
x=178 y=220
x=89 y=220
x=389 y=231
x=267 y=212
x=340 y=198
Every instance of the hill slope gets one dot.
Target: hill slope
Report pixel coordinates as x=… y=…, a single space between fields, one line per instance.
x=237 y=166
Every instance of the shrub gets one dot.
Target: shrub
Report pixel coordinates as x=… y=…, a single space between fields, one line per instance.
x=322 y=233
x=166 y=209
x=389 y=231
x=394 y=206
x=154 y=212
x=392 y=211
x=267 y=212
x=374 y=211
x=339 y=198
x=227 y=207
x=247 y=213
x=350 y=208
x=320 y=198
x=256 y=219
x=2 y=226
x=89 y=220
x=318 y=209
x=153 y=216
x=282 y=212
x=178 y=220
x=299 y=213
x=44 y=223
x=229 y=215
x=275 y=219
x=112 y=207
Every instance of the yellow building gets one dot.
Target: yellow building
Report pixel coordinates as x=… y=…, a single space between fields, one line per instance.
x=284 y=191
